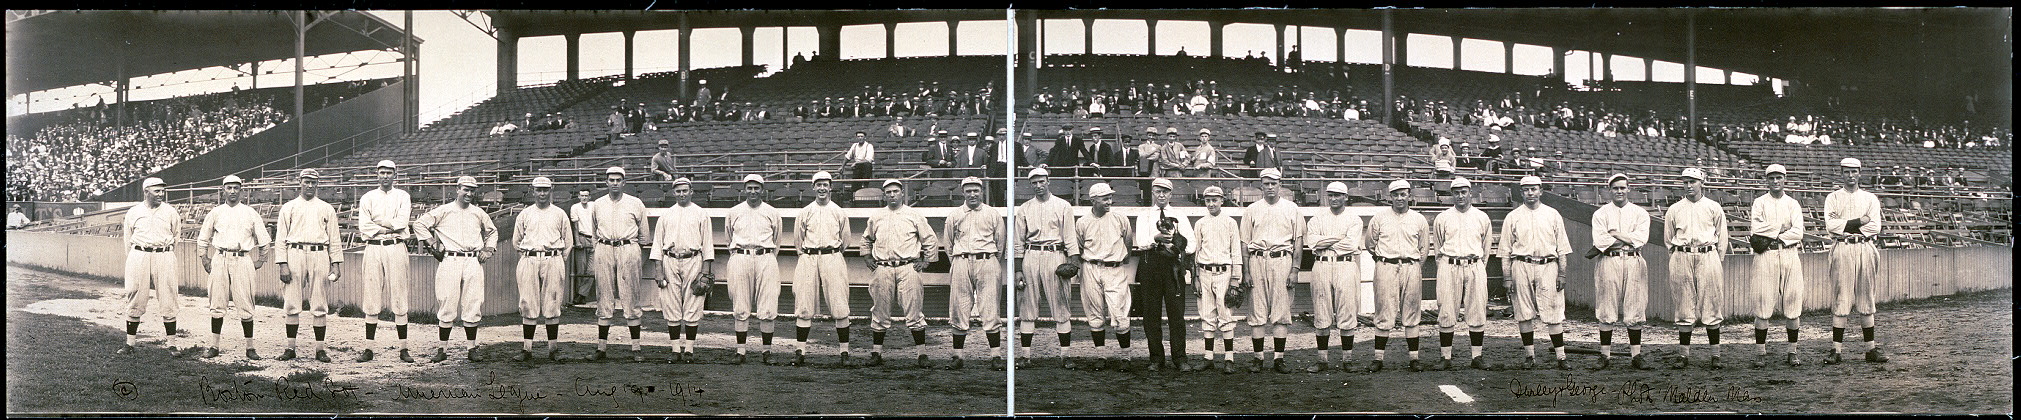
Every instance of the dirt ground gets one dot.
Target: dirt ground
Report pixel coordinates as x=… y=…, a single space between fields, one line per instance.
x=1948 y=355
x=62 y=331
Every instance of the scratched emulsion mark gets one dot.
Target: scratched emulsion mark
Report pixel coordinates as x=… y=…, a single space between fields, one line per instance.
x=1632 y=393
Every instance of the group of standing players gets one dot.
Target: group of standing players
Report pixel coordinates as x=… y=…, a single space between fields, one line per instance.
x=1256 y=257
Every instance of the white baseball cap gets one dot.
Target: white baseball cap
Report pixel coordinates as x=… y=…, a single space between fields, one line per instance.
x=754 y=178
x=1211 y=191
x=1038 y=172
x=620 y=170
x=1616 y=175
x=466 y=181
x=151 y=181
x=1399 y=185
x=1336 y=187
x=682 y=181
x=387 y=163
x=1100 y=189
x=310 y=173
x=1444 y=141
x=542 y=182
x=891 y=182
x=971 y=180
x=823 y=175
x=1849 y=162
x=1694 y=173
x=1152 y=130
x=1271 y=173
x=233 y=179
x=1462 y=182
x=1776 y=168
x=1531 y=180
x=1161 y=183
x=1206 y=131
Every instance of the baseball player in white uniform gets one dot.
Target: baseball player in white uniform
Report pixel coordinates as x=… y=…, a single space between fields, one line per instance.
x=239 y=234
x=1217 y=263
x=1535 y=244
x=1045 y=239
x=1272 y=233
x=684 y=246
x=543 y=237
x=1853 y=218
x=1105 y=284
x=1778 y=274
x=1621 y=276
x=753 y=227
x=617 y=222
x=150 y=231
x=901 y=245
x=1696 y=230
x=384 y=214
x=465 y=237
x=1335 y=237
x=1459 y=238
x=309 y=259
x=1399 y=239
x=823 y=277
x=974 y=241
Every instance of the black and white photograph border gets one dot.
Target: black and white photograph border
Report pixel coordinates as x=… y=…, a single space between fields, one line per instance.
x=899 y=128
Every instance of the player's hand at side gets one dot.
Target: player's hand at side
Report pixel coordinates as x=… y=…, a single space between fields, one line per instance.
x=206 y=262
x=259 y=258
x=336 y=271
x=287 y=276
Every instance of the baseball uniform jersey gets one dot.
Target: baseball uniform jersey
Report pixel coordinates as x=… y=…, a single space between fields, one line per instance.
x=238 y=233
x=682 y=243
x=822 y=274
x=1399 y=242
x=1045 y=238
x=151 y=270
x=1538 y=235
x=459 y=278
x=1696 y=231
x=1853 y=256
x=1778 y=274
x=898 y=239
x=1621 y=280
x=1460 y=241
x=543 y=236
x=754 y=264
x=383 y=219
x=307 y=232
x=617 y=222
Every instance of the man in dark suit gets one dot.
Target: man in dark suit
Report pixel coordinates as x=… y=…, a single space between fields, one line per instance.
x=1261 y=154
x=1065 y=154
x=938 y=153
x=976 y=155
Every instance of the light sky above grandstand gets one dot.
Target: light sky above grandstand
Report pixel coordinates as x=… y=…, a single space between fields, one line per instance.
x=458 y=60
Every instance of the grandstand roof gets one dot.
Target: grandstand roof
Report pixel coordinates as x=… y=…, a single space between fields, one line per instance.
x=69 y=48
x=532 y=23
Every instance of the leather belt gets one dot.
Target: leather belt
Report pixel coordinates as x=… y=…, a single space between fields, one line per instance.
x=682 y=254
x=232 y=252
x=820 y=251
x=460 y=253
x=1623 y=253
x=619 y=242
x=147 y=249
x=539 y=253
x=1342 y=257
x=1269 y=254
x=751 y=251
x=1854 y=239
x=977 y=255
x=1684 y=248
x=1777 y=244
x=1463 y=260
x=1110 y=264
x=1388 y=260
x=1213 y=268
x=310 y=247
x=382 y=241
x=1535 y=260
x=1044 y=247
x=897 y=263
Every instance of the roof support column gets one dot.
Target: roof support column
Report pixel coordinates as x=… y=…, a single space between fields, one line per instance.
x=629 y=54
x=890 y=40
x=1340 y=44
x=830 y=41
x=1390 y=51
x=1279 y=38
x=1456 y=53
x=301 y=38
x=952 y=28
x=1509 y=57
x=1691 y=74
x=508 y=60
x=1214 y=38
x=574 y=56
x=785 y=46
x=1088 y=36
x=683 y=46
x=746 y=34
x=1151 y=32
x=1558 y=62
x=1606 y=68
x=1027 y=52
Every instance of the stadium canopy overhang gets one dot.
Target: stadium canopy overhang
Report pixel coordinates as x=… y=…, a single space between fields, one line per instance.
x=533 y=23
x=49 y=50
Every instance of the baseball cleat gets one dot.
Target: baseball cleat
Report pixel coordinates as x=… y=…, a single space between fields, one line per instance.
x=1256 y=365
x=553 y=354
x=638 y=357
x=124 y=350
x=1316 y=367
x=253 y=355
x=1278 y=365
x=955 y=366
x=1120 y=365
x=364 y=357
x=742 y=358
x=922 y=362
x=673 y=357
x=1445 y=364
x=1414 y=366
x=799 y=358
x=472 y=355
x=1562 y=366
x=1679 y=362
x=689 y=358
x=210 y=352
x=1529 y=362
x=1760 y=361
x=996 y=363
x=1875 y=356
x=286 y=355
x=1605 y=362
x=1100 y=363
x=1714 y=364
x=1227 y=367
x=1068 y=363
x=1374 y=366
x=1478 y=364
x=440 y=355
x=599 y=355
x=322 y=356
x=1792 y=360
x=876 y=359
x=765 y=358
x=1156 y=366
x=1833 y=358
x=1637 y=363
x=844 y=361
x=404 y=357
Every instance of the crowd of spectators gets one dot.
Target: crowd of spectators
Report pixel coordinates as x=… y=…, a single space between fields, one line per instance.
x=1196 y=98
x=84 y=152
x=1813 y=129
x=926 y=100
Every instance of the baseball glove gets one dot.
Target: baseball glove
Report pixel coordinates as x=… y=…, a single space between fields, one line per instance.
x=1853 y=226
x=1593 y=252
x=1237 y=294
x=1067 y=271
x=1760 y=243
x=702 y=283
